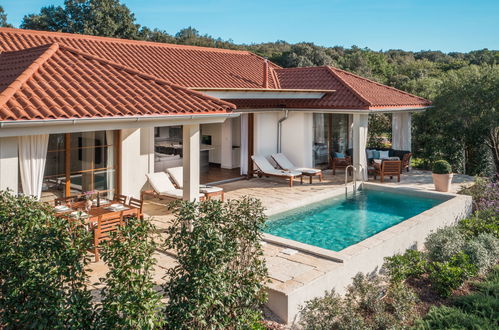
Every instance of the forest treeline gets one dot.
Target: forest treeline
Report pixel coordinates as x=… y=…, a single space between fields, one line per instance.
x=462 y=127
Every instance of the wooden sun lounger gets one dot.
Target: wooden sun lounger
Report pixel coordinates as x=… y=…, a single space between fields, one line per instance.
x=264 y=168
x=284 y=163
x=164 y=188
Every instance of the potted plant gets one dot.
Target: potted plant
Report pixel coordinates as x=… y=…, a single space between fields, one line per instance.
x=442 y=175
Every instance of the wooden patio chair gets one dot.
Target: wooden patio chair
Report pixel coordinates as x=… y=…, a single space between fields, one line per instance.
x=264 y=168
x=406 y=162
x=120 y=198
x=340 y=163
x=64 y=200
x=106 y=224
x=387 y=167
x=137 y=203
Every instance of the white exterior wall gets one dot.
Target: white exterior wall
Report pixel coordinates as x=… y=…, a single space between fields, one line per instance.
x=297 y=138
x=9 y=164
x=265 y=133
x=137 y=159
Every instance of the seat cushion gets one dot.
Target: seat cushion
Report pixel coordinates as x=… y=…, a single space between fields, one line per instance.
x=210 y=189
x=308 y=170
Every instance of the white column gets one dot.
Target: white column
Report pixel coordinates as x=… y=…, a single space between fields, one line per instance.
x=9 y=164
x=244 y=144
x=401 y=131
x=191 y=161
x=359 y=132
x=226 y=146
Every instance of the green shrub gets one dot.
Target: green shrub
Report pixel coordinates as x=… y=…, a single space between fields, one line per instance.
x=368 y=304
x=483 y=251
x=401 y=301
x=482 y=221
x=329 y=312
x=444 y=317
x=449 y=275
x=220 y=277
x=444 y=243
x=412 y=263
x=129 y=299
x=478 y=310
x=42 y=267
x=441 y=167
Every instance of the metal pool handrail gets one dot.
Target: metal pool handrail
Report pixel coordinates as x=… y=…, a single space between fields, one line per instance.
x=354 y=177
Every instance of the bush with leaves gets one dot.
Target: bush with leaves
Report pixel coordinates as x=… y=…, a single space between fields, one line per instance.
x=449 y=275
x=483 y=221
x=370 y=303
x=42 y=267
x=441 y=167
x=444 y=243
x=483 y=251
x=485 y=194
x=129 y=299
x=412 y=263
x=220 y=277
x=478 y=310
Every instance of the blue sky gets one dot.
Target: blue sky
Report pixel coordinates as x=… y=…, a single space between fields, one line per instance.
x=445 y=25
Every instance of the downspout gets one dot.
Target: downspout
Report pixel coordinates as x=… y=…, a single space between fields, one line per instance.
x=279 y=130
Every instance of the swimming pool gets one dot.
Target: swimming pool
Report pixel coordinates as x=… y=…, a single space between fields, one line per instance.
x=339 y=222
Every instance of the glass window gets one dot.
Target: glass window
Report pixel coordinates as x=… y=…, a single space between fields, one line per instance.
x=91 y=164
x=330 y=135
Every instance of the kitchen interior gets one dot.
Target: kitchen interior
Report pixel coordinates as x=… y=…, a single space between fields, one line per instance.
x=220 y=149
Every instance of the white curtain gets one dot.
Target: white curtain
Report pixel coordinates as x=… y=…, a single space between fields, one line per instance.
x=360 y=126
x=401 y=131
x=32 y=159
x=110 y=157
x=244 y=144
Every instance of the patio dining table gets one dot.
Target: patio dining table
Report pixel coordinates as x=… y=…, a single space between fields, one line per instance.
x=92 y=216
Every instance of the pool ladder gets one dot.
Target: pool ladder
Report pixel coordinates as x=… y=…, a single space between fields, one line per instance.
x=354 y=178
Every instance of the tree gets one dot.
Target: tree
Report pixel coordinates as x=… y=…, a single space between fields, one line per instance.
x=42 y=267
x=220 y=277
x=108 y=18
x=464 y=126
x=3 y=18
x=129 y=299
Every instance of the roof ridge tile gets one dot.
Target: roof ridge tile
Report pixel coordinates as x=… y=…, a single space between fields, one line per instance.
x=377 y=83
x=10 y=90
x=350 y=87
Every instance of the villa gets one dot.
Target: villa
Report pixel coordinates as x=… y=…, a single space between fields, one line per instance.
x=82 y=113
x=103 y=108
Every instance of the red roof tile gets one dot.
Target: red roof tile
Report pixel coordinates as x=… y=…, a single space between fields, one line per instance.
x=57 y=82
x=203 y=67
x=352 y=91
x=187 y=66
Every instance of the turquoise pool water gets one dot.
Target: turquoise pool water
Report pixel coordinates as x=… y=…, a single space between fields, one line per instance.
x=337 y=223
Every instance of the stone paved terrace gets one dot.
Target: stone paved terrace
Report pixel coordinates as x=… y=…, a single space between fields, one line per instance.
x=286 y=272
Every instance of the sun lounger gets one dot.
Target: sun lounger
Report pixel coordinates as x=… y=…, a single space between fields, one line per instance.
x=163 y=187
x=177 y=175
x=266 y=169
x=284 y=163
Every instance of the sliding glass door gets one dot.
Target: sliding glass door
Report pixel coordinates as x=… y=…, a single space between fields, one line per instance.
x=80 y=162
x=330 y=135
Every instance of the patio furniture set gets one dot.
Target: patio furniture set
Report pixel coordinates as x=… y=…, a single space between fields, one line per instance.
x=102 y=216
x=387 y=162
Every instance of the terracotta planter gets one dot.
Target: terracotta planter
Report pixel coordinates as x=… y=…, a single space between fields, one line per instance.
x=442 y=181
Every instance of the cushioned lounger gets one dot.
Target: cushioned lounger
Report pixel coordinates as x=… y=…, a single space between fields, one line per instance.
x=265 y=168
x=177 y=175
x=284 y=163
x=163 y=187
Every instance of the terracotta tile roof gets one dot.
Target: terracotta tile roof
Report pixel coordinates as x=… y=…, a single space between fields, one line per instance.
x=352 y=91
x=199 y=67
x=187 y=66
x=57 y=82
